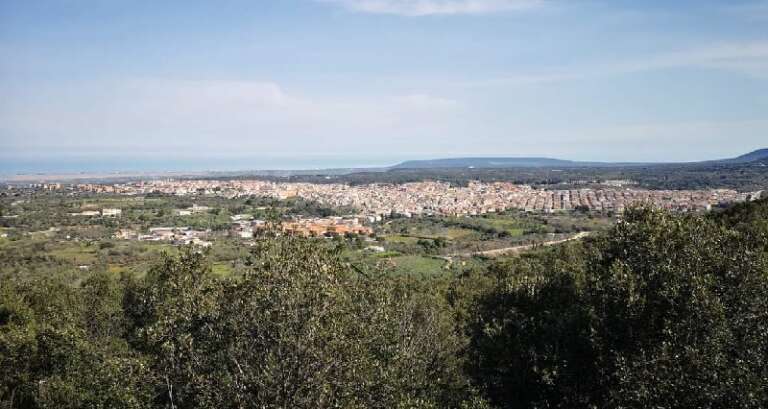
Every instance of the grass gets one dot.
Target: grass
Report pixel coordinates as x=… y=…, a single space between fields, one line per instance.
x=158 y=248
x=115 y=269
x=456 y=233
x=512 y=226
x=119 y=202
x=222 y=269
x=386 y=254
x=397 y=238
x=136 y=257
x=417 y=265
x=76 y=253
x=396 y=263
x=450 y=233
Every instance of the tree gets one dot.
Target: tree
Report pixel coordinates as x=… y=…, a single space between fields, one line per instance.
x=50 y=360
x=530 y=334
x=678 y=306
x=300 y=330
x=663 y=311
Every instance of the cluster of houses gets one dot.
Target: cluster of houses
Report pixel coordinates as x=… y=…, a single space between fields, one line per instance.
x=428 y=198
x=244 y=226
x=174 y=235
x=326 y=227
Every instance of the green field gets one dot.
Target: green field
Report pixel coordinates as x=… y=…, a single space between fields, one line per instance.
x=455 y=233
x=398 y=238
x=387 y=254
x=417 y=265
x=222 y=269
x=511 y=225
x=76 y=253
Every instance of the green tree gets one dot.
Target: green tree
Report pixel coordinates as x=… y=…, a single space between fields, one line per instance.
x=679 y=306
x=299 y=330
x=663 y=311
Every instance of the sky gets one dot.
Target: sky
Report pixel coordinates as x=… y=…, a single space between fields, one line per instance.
x=257 y=84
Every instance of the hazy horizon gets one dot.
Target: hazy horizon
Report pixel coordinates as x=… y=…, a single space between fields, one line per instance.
x=159 y=162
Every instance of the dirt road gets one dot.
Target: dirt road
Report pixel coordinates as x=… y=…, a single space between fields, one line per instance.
x=517 y=249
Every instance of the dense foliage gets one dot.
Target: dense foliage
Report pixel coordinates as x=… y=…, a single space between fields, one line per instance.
x=665 y=311
x=662 y=311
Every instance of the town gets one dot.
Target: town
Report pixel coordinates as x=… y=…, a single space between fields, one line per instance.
x=363 y=207
x=439 y=198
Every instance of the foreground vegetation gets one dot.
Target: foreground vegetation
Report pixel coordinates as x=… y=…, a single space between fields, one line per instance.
x=663 y=311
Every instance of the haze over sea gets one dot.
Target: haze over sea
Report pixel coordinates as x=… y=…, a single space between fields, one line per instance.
x=55 y=164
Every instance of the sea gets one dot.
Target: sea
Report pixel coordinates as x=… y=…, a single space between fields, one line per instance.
x=73 y=164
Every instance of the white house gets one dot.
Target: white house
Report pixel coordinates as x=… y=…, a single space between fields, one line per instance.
x=111 y=212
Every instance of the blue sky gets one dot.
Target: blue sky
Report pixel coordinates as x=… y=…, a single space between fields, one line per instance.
x=376 y=81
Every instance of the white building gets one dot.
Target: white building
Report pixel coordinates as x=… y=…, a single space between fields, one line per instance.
x=87 y=213
x=111 y=212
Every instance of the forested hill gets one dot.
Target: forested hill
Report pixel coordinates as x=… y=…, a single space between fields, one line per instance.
x=487 y=163
x=540 y=162
x=662 y=311
x=760 y=155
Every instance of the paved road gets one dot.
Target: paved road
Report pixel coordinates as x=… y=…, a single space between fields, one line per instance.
x=517 y=249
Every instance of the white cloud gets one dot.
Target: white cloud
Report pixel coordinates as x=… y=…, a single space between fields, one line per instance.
x=747 y=58
x=231 y=115
x=414 y=8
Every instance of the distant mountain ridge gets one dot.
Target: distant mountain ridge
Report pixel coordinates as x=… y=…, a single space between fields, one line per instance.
x=757 y=155
x=540 y=162
x=484 y=163
x=487 y=163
